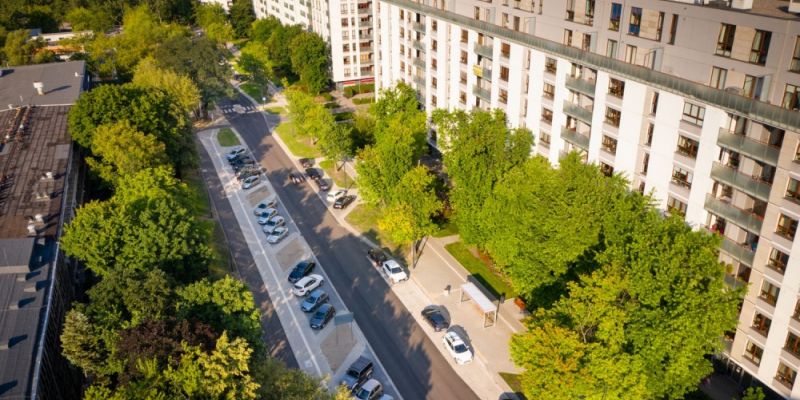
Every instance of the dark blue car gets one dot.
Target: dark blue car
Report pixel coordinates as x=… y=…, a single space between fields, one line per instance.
x=300 y=270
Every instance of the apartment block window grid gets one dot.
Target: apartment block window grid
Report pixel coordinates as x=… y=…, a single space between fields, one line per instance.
x=616 y=17
x=616 y=88
x=547 y=115
x=761 y=324
x=725 y=40
x=609 y=144
x=548 y=91
x=635 y=22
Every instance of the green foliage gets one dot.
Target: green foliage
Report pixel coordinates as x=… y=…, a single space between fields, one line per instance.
x=81 y=344
x=147 y=74
x=753 y=393
x=120 y=150
x=20 y=50
x=262 y=29
x=242 y=17
x=337 y=143
x=413 y=204
x=360 y=88
x=95 y=19
x=490 y=279
x=478 y=150
x=279 y=47
x=253 y=62
x=211 y=17
x=310 y=61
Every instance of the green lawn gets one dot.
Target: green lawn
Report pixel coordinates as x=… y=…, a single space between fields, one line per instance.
x=448 y=228
x=253 y=90
x=220 y=263
x=227 y=138
x=276 y=110
x=339 y=177
x=513 y=382
x=365 y=218
x=299 y=145
x=480 y=271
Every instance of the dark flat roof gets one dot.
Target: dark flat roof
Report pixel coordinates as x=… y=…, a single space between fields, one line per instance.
x=63 y=83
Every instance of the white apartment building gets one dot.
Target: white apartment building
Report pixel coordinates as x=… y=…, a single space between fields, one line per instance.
x=345 y=24
x=225 y=4
x=694 y=103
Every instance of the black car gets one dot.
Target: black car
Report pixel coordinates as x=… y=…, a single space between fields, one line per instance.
x=376 y=256
x=435 y=318
x=300 y=270
x=307 y=162
x=239 y=159
x=313 y=174
x=246 y=173
x=344 y=201
x=323 y=184
x=324 y=314
x=358 y=373
x=317 y=298
x=297 y=177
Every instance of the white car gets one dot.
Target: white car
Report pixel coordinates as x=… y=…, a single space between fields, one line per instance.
x=250 y=182
x=332 y=196
x=277 y=235
x=457 y=348
x=394 y=271
x=306 y=285
x=261 y=207
x=272 y=224
x=266 y=215
x=234 y=153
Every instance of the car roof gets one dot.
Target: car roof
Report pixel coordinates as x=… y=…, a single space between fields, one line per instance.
x=391 y=263
x=370 y=384
x=361 y=363
x=325 y=307
x=317 y=292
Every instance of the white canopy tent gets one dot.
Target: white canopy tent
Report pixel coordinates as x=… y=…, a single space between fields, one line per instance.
x=489 y=310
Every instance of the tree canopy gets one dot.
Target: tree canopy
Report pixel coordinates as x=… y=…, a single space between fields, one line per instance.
x=147 y=74
x=310 y=61
x=242 y=17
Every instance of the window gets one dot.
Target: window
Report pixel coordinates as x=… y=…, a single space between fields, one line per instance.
x=787 y=227
x=550 y=65
x=749 y=87
x=434 y=82
x=606 y=169
x=796 y=313
x=476 y=13
x=609 y=144
x=462 y=98
x=630 y=54
x=794 y=65
x=503 y=96
x=725 y=40
x=778 y=260
x=635 y=21
x=676 y=207
x=570 y=10
x=547 y=115
x=769 y=292
x=645 y=163
x=544 y=138
x=463 y=57
x=463 y=78
x=673 y=29
x=613 y=116
x=681 y=177
x=464 y=36
x=660 y=26
x=793 y=190
x=611 y=48
x=433 y=100
x=718 y=76
x=761 y=324
x=616 y=87
x=516 y=23
x=753 y=353
x=586 y=44
x=504 y=20
x=505 y=49
x=548 y=90
x=785 y=375
x=693 y=114
x=654 y=104
x=792 y=344
x=760 y=47
x=567 y=37
x=434 y=26
x=434 y=45
x=790 y=98
x=433 y=64
x=616 y=16
x=687 y=147
x=648 y=140
x=504 y=74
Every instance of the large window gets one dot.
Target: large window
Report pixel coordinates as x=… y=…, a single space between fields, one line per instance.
x=616 y=87
x=613 y=116
x=567 y=37
x=609 y=144
x=548 y=90
x=794 y=65
x=616 y=16
x=753 y=353
x=504 y=74
x=611 y=48
x=778 y=260
x=792 y=344
x=725 y=40
x=635 y=21
x=718 y=77
x=694 y=114
x=785 y=375
x=681 y=177
x=760 y=47
x=544 y=139
x=503 y=96
x=769 y=292
x=676 y=207
x=630 y=54
x=505 y=50
x=550 y=65
x=793 y=190
x=787 y=227
x=790 y=98
x=547 y=115
x=687 y=146
x=761 y=324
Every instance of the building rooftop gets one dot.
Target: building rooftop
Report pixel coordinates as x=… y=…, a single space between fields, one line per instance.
x=62 y=84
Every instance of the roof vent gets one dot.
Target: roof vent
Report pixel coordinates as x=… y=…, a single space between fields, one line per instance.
x=39 y=86
x=31 y=229
x=39 y=218
x=49 y=176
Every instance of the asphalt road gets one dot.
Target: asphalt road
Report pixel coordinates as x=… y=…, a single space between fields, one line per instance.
x=416 y=366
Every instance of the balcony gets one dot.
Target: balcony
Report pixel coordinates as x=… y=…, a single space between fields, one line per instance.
x=485 y=94
x=365 y=23
x=743 y=253
x=575 y=138
x=418 y=62
x=578 y=112
x=417 y=44
x=745 y=183
x=581 y=85
x=418 y=26
x=482 y=72
x=483 y=50
x=750 y=147
x=419 y=80
x=746 y=219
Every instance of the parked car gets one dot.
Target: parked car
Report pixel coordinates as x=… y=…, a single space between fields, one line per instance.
x=234 y=153
x=300 y=270
x=307 y=162
x=323 y=184
x=306 y=285
x=261 y=207
x=317 y=298
x=358 y=373
x=320 y=318
x=240 y=159
x=333 y=196
x=394 y=271
x=251 y=181
x=377 y=256
x=313 y=173
x=344 y=201
x=457 y=348
x=272 y=224
x=277 y=235
x=296 y=177
x=370 y=390
x=435 y=318
x=244 y=174
x=267 y=215
x=239 y=167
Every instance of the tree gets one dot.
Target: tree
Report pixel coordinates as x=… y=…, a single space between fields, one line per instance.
x=95 y=19
x=395 y=101
x=478 y=150
x=310 y=61
x=300 y=104
x=381 y=166
x=262 y=29
x=121 y=150
x=279 y=47
x=337 y=143
x=20 y=49
x=753 y=393
x=147 y=74
x=253 y=61
x=277 y=382
x=242 y=17
x=211 y=17
x=81 y=345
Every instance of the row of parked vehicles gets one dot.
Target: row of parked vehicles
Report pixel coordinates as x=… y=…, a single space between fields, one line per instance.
x=315 y=301
x=339 y=198
x=247 y=170
x=272 y=224
x=362 y=385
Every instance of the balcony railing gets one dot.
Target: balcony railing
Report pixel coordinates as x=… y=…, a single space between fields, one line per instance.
x=578 y=112
x=485 y=94
x=419 y=27
x=584 y=86
x=419 y=80
x=745 y=183
x=575 y=138
x=418 y=62
x=743 y=218
x=750 y=147
x=365 y=23
x=743 y=253
x=417 y=44
x=482 y=72
x=484 y=50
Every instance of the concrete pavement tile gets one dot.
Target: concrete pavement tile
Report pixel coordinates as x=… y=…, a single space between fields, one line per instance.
x=338 y=345
x=258 y=194
x=291 y=253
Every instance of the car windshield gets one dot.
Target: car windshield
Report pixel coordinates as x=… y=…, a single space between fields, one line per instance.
x=312 y=299
x=396 y=270
x=460 y=348
x=362 y=394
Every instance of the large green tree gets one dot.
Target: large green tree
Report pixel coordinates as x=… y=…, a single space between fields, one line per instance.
x=147 y=74
x=242 y=17
x=95 y=19
x=121 y=150
x=279 y=48
x=211 y=17
x=310 y=61
x=262 y=29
